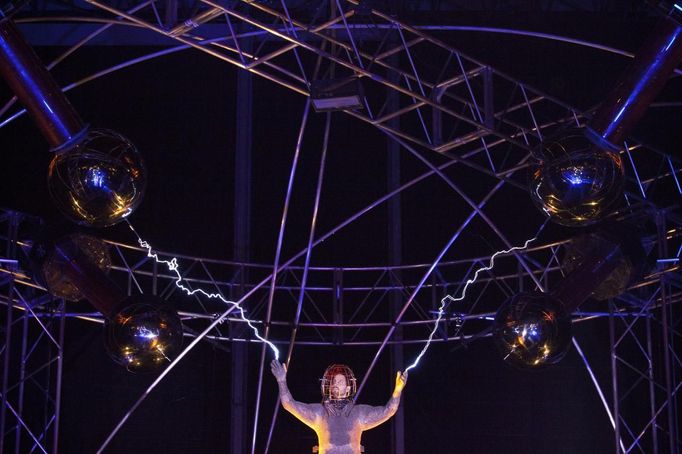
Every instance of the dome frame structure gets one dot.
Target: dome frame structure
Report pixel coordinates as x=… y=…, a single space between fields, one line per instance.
x=442 y=122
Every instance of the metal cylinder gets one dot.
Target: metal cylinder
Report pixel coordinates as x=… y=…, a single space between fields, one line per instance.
x=641 y=83
x=92 y=282
x=37 y=90
x=578 y=285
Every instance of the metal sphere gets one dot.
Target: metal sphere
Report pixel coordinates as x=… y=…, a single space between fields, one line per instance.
x=631 y=257
x=100 y=181
x=57 y=282
x=532 y=330
x=143 y=336
x=576 y=183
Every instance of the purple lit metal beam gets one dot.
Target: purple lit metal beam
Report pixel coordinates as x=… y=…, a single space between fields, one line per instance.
x=198 y=45
x=24 y=425
x=276 y=267
x=243 y=199
x=304 y=280
x=593 y=378
x=667 y=324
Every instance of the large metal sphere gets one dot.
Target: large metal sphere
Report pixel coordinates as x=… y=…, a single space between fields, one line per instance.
x=532 y=330
x=631 y=258
x=144 y=336
x=58 y=282
x=576 y=183
x=99 y=182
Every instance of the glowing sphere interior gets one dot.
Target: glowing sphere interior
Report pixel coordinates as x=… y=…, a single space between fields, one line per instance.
x=99 y=182
x=532 y=330
x=144 y=336
x=576 y=183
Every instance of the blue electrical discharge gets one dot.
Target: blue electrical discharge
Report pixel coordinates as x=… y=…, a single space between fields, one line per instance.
x=450 y=298
x=173 y=266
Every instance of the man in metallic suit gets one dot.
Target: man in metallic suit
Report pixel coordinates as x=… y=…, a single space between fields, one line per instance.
x=337 y=421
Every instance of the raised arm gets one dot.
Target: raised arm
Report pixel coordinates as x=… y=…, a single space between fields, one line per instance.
x=306 y=413
x=371 y=416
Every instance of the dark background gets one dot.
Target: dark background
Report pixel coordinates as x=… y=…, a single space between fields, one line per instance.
x=180 y=112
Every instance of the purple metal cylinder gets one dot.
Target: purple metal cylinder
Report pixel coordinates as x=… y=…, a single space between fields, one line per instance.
x=641 y=83
x=37 y=91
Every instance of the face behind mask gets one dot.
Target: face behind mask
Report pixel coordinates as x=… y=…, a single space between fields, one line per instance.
x=338 y=383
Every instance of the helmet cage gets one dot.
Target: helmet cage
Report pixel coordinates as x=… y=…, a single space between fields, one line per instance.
x=327 y=381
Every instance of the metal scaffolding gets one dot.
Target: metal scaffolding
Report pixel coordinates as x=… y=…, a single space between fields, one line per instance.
x=434 y=103
x=31 y=352
x=640 y=321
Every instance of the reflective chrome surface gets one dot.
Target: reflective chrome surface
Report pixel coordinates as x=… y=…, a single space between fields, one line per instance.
x=144 y=336
x=99 y=182
x=532 y=330
x=576 y=183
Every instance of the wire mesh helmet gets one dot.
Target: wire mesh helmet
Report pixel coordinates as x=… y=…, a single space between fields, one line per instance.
x=327 y=382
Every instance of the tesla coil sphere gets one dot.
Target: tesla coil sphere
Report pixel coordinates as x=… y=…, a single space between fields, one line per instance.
x=144 y=336
x=58 y=282
x=576 y=183
x=100 y=181
x=532 y=330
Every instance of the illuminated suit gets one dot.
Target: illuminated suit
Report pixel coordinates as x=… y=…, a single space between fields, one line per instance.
x=337 y=421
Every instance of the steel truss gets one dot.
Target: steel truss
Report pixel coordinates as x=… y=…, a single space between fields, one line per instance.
x=457 y=108
x=638 y=318
x=647 y=366
x=31 y=352
x=400 y=6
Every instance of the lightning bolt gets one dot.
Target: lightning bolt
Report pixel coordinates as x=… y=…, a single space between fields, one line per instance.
x=173 y=267
x=451 y=298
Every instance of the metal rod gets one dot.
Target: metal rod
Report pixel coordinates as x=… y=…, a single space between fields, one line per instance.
x=304 y=279
x=275 y=268
x=666 y=322
x=22 y=378
x=58 y=385
x=614 y=379
x=652 y=385
x=598 y=388
x=5 y=371
x=243 y=179
x=23 y=424
x=197 y=46
x=12 y=230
